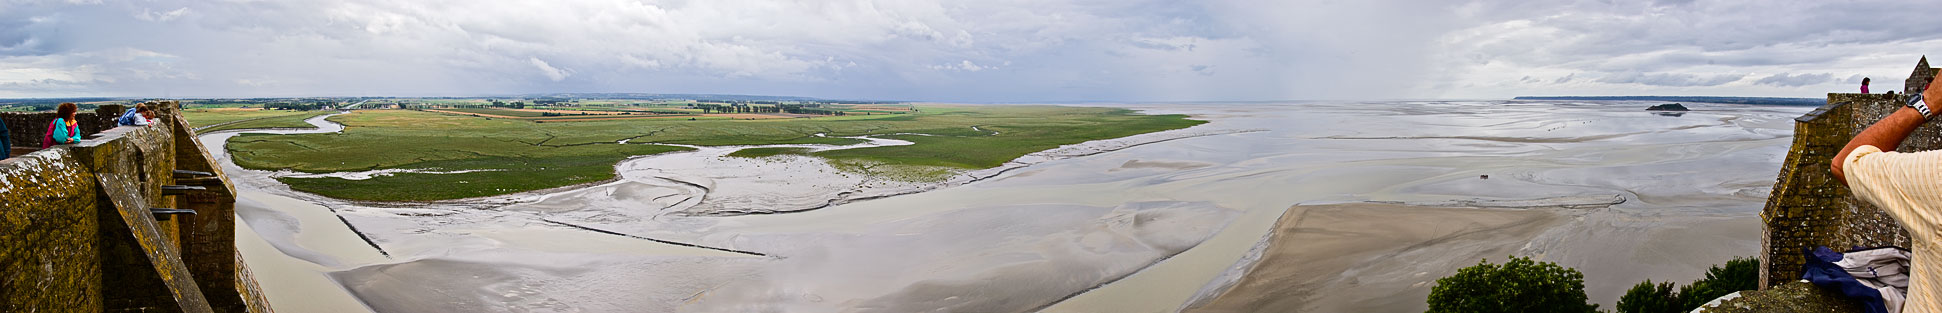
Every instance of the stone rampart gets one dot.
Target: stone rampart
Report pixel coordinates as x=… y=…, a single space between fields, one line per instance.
x=1809 y=208
x=129 y=219
x=28 y=129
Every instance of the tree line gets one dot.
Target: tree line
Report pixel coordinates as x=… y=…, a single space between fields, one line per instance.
x=300 y=106
x=778 y=108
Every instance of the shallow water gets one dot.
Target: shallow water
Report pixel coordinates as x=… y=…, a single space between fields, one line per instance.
x=1139 y=229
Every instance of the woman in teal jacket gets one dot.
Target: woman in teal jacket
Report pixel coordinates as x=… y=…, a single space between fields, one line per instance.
x=63 y=130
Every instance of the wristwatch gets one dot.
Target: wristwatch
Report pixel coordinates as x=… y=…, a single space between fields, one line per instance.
x=1915 y=101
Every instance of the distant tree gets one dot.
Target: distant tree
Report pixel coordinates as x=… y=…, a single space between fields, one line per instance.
x=1518 y=285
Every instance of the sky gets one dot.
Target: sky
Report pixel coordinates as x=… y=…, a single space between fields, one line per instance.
x=962 y=51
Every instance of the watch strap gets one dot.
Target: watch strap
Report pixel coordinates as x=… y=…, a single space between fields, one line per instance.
x=1915 y=101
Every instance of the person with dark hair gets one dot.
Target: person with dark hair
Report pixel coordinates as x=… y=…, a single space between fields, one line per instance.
x=1864 y=85
x=64 y=129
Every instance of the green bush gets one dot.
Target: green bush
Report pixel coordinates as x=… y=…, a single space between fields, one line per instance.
x=1518 y=285
x=1647 y=297
x=1739 y=274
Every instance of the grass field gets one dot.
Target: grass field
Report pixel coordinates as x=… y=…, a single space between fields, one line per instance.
x=491 y=111
x=575 y=114
x=264 y=118
x=294 y=120
x=523 y=155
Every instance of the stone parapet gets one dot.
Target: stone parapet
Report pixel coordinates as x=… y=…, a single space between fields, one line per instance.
x=48 y=234
x=28 y=129
x=79 y=230
x=1790 y=297
x=1808 y=207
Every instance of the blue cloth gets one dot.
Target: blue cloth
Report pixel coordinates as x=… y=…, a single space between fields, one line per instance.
x=6 y=141
x=128 y=118
x=1822 y=271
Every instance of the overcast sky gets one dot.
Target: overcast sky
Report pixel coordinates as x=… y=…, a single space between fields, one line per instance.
x=967 y=51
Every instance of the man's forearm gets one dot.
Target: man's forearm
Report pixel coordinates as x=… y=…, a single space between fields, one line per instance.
x=1885 y=135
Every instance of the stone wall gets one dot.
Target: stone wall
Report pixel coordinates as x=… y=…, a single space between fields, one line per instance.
x=1920 y=78
x=84 y=215
x=48 y=231
x=27 y=129
x=1809 y=208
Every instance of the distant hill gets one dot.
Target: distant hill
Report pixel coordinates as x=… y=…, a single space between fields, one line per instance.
x=1736 y=100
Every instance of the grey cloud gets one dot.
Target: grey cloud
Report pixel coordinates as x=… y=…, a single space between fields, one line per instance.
x=1686 y=44
x=865 y=48
x=1787 y=80
x=1670 y=79
x=1202 y=69
x=950 y=50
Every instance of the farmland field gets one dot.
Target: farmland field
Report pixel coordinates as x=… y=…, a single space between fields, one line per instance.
x=518 y=155
x=491 y=111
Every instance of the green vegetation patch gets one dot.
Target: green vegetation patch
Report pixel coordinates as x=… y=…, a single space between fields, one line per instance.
x=1518 y=285
x=491 y=111
x=1023 y=131
x=293 y=120
x=492 y=176
x=206 y=117
x=1740 y=274
x=586 y=151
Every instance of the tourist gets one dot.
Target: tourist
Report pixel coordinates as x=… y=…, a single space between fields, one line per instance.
x=1864 y=85
x=1908 y=185
x=136 y=116
x=63 y=129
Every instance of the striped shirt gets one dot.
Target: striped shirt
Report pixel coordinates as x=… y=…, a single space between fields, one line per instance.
x=1909 y=187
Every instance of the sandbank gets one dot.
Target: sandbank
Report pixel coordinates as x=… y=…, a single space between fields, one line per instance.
x=1372 y=257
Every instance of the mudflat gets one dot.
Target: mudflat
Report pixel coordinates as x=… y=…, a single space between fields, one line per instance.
x=1370 y=257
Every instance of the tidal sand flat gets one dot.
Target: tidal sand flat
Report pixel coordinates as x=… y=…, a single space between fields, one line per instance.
x=1119 y=226
x=1365 y=257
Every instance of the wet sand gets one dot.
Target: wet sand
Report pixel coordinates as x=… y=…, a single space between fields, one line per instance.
x=1367 y=257
x=1051 y=232
x=292 y=284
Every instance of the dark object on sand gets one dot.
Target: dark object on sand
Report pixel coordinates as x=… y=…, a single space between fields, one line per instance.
x=1668 y=107
x=1483 y=176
